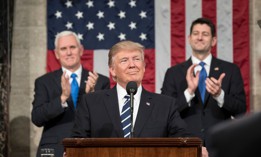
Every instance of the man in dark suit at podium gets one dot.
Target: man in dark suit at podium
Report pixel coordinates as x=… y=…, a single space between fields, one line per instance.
x=53 y=104
x=154 y=115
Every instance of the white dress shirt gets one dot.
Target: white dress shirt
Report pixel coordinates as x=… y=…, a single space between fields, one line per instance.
x=78 y=72
x=207 y=61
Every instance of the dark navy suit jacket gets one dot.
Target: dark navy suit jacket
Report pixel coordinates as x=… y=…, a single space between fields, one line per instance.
x=48 y=112
x=98 y=116
x=200 y=117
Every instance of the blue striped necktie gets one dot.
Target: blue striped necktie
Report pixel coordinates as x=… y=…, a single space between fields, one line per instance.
x=74 y=89
x=201 y=83
x=126 y=117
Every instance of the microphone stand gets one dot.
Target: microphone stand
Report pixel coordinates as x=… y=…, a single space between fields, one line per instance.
x=131 y=108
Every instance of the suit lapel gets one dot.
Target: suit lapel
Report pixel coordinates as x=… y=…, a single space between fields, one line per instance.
x=145 y=108
x=83 y=79
x=112 y=106
x=57 y=78
x=185 y=67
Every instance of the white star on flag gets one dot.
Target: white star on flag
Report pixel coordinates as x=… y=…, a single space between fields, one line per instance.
x=132 y=3
x=100 y=36
x=68 y=4
x=111 y=4
x=122 y=14
x=132 y=25
x=69 y=25
x=100 y=14
x=58 y=14
x=111 y=26
x=143 y=36
x=122 y=36
x=79 y=14
x=89 y=4
x=143 y=14
x=90 y=25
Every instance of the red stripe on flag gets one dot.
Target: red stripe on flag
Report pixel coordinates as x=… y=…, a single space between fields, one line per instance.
x=51 y=62
x=241 y=42
x=87 y=59
x=209 y=10
x=178 y=32
x=149 y=76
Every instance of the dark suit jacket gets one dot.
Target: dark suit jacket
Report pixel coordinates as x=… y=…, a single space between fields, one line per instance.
x=98 y=116
x=48 y=112
x=200 y=117
x=236 y=138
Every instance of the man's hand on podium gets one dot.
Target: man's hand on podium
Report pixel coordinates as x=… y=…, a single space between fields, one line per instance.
x=204 y=152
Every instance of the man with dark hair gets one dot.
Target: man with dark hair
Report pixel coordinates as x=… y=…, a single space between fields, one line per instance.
x=208 y=90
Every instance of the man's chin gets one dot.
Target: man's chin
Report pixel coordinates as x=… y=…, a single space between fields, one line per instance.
x=201 y=51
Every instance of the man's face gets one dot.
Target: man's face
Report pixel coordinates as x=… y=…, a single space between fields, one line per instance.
x=69 y=52
x=201 y=40
x=128 y=66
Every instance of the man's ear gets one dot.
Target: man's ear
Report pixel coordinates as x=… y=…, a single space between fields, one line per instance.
x=189 y=39
x=214 y=41
x=112 y=71
x=81 y=50
x=56 y=54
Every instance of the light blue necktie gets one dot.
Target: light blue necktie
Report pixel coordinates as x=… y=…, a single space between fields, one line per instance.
x=126 y=117
x=201 y=83
x=74 y=89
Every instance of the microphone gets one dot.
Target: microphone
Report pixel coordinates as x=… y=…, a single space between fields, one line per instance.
x=131 y=89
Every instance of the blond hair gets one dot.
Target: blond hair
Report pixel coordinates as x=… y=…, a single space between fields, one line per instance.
x=124 y=45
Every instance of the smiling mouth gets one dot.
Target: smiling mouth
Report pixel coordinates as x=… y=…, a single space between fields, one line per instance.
x=133 y=72
x=69 y=58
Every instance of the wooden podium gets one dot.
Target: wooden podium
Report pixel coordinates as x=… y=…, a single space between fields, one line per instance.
x=132 y=147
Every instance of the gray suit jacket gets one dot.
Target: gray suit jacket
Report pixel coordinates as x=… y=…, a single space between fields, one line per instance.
x=48 y=112
x=98 y=116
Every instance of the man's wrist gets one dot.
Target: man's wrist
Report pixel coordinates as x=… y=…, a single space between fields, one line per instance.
x=63 y=99
x=191 y=92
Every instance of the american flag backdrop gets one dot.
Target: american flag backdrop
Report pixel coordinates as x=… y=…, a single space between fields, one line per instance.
x=162 y=26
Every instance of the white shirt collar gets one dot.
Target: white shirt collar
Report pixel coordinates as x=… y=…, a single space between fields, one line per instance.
x=78 y=72
x=122 y=92
x=207 y=60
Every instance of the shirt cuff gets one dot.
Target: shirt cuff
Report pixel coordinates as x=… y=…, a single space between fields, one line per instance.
x=188 y=96
x=220 y=99
x=64 y=105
